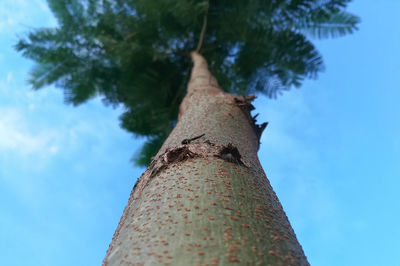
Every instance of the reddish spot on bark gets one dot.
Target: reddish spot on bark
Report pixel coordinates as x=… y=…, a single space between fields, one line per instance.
x=201 y=253
x=272 y=253
x=233 y=257
x=233 y=218
x=233 y=248
x=187 y=234
x=211 y=217
x=245 y=225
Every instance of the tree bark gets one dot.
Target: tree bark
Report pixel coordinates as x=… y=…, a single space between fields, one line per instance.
x=205 y=199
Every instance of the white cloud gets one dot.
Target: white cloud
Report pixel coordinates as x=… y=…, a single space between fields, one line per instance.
x=53 y=149
x=43 y=6
x=9 y=77
x=15 y=136
x=294 y=167
x=13 y=15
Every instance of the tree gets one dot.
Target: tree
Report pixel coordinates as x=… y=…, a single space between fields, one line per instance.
x=204 y=193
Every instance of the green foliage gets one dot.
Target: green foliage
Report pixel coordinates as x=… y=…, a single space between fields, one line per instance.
x=136 y=52
x=148 y=150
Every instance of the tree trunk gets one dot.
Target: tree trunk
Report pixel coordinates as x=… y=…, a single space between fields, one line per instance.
x=205 y=199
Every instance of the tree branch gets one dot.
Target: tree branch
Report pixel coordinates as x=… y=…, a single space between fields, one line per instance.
x=203 y=29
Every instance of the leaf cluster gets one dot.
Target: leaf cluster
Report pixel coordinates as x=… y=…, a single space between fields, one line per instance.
x=136 y=52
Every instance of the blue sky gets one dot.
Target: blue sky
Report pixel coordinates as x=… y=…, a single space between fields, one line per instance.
x=331 y=152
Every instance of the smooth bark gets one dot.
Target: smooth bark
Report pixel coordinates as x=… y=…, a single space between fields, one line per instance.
x=205 y=199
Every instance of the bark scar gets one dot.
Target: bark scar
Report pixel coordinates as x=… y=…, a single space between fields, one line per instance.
x=231 y=154
x=244 y=103
x=205 y=149
x=187 y=141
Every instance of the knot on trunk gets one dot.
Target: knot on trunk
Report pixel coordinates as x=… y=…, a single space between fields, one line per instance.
x=231 y=154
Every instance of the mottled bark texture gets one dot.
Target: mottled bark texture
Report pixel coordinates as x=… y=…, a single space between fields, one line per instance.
x=205 y=199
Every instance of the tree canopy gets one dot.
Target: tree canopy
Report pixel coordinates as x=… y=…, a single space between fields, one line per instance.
x=136 y=52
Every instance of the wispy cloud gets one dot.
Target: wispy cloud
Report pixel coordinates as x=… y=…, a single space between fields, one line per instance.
x=13 y=15
x=16 y=137
x=61 y=168
x=294 y=166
